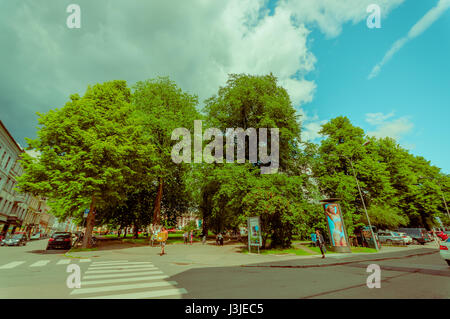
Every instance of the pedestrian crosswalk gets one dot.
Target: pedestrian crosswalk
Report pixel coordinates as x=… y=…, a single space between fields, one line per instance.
x=125 y=280
x=43 y=263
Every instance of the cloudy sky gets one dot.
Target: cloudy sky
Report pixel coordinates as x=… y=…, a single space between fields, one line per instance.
x=393 y=81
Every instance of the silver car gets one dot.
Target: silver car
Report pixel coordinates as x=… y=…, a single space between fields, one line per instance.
x=391 y=238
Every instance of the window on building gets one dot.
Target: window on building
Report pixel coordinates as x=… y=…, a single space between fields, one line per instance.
x=3 y=156
x=7 y=162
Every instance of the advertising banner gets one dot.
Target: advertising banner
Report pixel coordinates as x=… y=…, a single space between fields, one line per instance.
x=254 y=233
x=336 y=227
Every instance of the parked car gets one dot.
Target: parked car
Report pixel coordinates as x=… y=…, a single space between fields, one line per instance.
x=443 y=236
x=418 y=235
x=35 y=236
x=408 y=239
x=390 y=238
x=60 y=240
x=19 y=239
x=444 y=250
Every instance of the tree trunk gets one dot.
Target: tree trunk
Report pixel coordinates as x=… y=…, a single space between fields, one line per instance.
x=125 y=232
x=157 y=207
x=90 y=221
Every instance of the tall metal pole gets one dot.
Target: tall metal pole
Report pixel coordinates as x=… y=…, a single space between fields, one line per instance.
x=364 y=204
x=445 y=203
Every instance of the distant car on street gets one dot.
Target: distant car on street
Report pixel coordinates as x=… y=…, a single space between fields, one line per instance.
x=443 y=236
x=408 y=239
x=418 y=235
x=15 y=240
x=35 y=236
x=60 y=240
x=390 y=238
x=444 y=250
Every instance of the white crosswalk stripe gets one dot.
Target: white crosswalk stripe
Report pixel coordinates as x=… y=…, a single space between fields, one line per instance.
x=86 y=260
x=121 y=267
x=43 y=263
x=40 y=263
x=127 y=274
x=111 y=271
x=125 y=280
x=12 y=265
x=116 y=280
x=145 y=294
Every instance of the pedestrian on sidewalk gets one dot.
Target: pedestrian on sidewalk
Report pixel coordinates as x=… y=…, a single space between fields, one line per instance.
x=192 y=236
x=321 y=243
x=204 y=238
x=162 y=237
x=185 y=237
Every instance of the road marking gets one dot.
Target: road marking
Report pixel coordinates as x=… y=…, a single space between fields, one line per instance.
x=40 y=263
x=143 y=268
x=12 y=265
x=128 y=274
x=120 y=267
x=145 y=294
x=121 y=263
x=122 y=287
x=63 y=262
x=85 y=260
x=117 y=280
x=109 y=262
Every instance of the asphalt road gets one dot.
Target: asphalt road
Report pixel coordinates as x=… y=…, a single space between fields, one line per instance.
x=29 y=272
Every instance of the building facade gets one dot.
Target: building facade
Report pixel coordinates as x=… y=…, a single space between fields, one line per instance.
x=13 y=206
x=18 y=212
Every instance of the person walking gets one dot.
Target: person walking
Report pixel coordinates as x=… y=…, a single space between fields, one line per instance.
x=192 y=236
x=162 y=237
x=185 y=237
x=321 y=243
x=204 y=238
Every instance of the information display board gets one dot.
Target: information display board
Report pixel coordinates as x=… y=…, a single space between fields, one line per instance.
x=254 y=233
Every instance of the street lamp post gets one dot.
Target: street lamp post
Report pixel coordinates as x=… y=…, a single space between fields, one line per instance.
x=364 y=205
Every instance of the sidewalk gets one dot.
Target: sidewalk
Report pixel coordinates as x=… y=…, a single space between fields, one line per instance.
x=198 y=255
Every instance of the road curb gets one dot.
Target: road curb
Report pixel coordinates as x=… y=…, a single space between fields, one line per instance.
x=342 y=263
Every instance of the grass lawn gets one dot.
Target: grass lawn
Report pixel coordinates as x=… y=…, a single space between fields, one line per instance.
x=83 y=249
x=277 y=251
x=301 y=252
x=363 y=250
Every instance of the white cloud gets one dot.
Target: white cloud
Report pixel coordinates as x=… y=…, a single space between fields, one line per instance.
x=197 y=43
x=378 y=118
x=417 y=29
x=330 y=15
x=385 y=126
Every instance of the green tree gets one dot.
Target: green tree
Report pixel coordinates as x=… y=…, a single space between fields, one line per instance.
x=161 y=107
x=90 y=151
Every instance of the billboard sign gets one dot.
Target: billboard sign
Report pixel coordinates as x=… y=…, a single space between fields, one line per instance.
x=254 y=233
x=336 y=227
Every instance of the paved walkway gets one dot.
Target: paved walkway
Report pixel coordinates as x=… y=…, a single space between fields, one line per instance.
x=210 y=255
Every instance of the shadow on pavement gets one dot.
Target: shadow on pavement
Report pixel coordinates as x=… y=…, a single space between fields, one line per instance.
x=275 y=280
x=47 y=252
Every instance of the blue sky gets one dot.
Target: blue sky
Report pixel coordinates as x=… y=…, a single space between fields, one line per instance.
x=413 y=85
x=321 y=51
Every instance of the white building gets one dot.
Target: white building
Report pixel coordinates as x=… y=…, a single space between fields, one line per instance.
x=13 y=206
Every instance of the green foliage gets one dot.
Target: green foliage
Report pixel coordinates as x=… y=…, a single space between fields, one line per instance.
x=90 y=147
x=191 y=225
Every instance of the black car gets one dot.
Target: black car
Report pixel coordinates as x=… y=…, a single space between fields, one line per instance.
x=15 y=240
x=418 y=235
x=60 y=240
